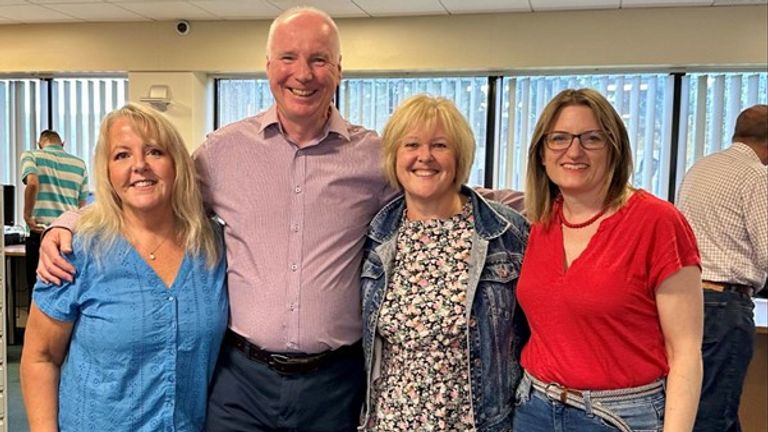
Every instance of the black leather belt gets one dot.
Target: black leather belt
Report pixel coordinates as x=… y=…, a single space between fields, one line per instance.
x=289 y=363
x=744 y=290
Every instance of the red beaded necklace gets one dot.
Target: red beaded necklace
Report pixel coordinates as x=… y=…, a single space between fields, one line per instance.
x=587 y=222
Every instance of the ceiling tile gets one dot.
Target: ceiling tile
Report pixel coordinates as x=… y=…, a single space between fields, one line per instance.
x=33 y=14
x=542 y=5
x=334 y=8
x=486 y=6
x=97 y=12
x=4 y=20
x=239 y=9
x=664 y=3
x=168 y=10
x=401 y=7
x=739 y=2
x=63 y=1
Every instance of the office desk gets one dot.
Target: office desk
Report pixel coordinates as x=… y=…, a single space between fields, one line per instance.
x=15 y=277
x=15 y=251
x=754 y=398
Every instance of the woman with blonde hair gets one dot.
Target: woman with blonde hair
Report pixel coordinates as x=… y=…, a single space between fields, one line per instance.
x=441 y=336
x=609 y=284
x=131 y=343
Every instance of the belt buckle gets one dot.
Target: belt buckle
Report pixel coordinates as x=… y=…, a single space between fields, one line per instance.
x=289 y=365
x=280 y=359
x=560 y=391
x=281 y=364
x=284 y=364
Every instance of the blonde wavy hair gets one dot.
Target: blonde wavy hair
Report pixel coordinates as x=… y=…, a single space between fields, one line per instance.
x=102 y=222
x=425 y=112
x=540 y=191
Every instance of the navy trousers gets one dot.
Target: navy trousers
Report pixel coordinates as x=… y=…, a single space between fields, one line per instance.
x=246 y=395
x=729 y=334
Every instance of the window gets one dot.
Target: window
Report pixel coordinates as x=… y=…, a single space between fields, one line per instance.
x=74 y=109
x=19 y=122
x=369 y=102
x=77 y=107
x=710 y=103
x=241 y=98
x=644 y=102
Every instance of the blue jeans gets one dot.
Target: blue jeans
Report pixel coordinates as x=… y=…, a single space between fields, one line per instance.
x=535 y=412
x=729 y=333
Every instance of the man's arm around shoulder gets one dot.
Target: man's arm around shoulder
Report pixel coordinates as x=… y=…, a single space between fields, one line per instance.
x=57 y=240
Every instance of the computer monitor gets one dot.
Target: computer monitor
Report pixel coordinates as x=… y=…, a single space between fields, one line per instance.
x=9 y=201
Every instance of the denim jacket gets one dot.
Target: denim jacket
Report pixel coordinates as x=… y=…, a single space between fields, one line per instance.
x=496 y=329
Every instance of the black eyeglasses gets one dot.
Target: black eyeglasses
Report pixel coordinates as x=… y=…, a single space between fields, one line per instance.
x=589 y=140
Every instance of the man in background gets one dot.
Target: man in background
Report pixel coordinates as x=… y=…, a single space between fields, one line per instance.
x=55 y=181
x=724 y=196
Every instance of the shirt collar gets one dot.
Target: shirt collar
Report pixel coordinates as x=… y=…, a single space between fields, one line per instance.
x=54 y=148
x=335 y=123
x=746 y=150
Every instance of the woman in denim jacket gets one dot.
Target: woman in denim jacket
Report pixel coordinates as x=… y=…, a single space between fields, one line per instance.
x=442 y=337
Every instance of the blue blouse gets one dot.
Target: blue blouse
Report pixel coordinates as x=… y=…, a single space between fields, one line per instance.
x=141 y=355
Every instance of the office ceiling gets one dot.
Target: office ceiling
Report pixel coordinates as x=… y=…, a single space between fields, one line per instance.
x=58 y=11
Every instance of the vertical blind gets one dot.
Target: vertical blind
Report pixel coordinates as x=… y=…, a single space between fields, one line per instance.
x=20 y=123
x=642 y=100
x=710 y=103
x=370 y=102
x=76 y=107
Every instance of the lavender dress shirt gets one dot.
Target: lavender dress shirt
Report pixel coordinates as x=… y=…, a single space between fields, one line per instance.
x=295 y=221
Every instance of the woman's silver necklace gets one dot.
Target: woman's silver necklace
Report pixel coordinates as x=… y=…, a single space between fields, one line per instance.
x=152 y=253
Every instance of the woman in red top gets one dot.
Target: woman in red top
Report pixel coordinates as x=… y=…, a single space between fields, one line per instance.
x=610 y=284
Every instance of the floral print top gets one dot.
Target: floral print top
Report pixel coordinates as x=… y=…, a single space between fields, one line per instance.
x=424 y=381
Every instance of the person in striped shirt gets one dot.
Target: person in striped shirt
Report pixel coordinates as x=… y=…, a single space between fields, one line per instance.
x=55 y=181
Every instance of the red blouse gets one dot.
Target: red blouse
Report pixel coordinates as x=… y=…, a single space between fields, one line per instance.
x=595 y=326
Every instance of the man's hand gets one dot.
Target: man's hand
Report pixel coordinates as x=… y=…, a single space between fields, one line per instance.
x=34 y=226
x=52 y=267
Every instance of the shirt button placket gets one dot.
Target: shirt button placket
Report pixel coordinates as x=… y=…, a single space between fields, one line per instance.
x=173 y=325
x=295 y=246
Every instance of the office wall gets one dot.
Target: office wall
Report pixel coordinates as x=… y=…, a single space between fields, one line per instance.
x=666 y=37
x=191 y=111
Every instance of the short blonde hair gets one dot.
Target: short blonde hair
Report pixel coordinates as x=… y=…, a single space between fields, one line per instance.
x=540 y=191
x=103 y=221
x=425 y=112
